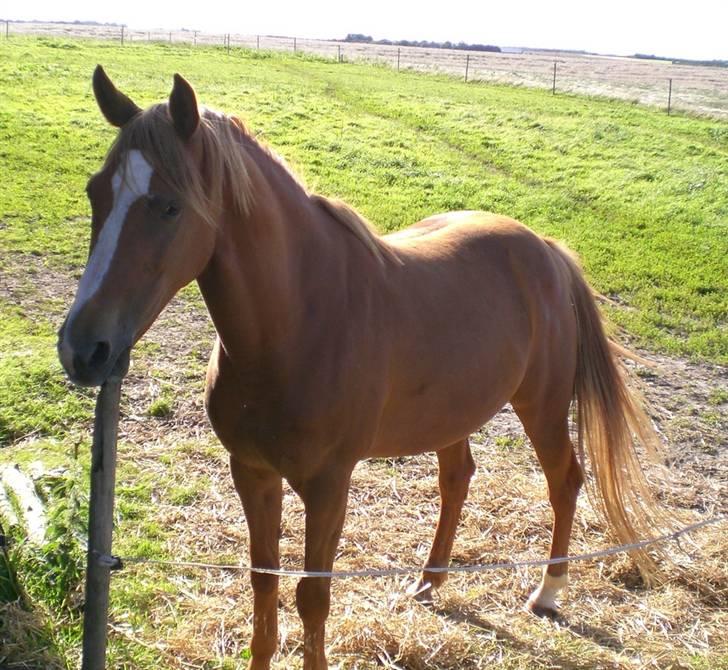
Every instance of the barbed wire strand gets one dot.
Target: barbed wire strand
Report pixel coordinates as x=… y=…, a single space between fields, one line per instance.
x=116 y=562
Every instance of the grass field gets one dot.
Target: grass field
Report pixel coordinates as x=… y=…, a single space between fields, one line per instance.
x=641 y=196
x=695 y=89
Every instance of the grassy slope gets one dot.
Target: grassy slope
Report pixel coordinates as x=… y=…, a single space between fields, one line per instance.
x=641 y=196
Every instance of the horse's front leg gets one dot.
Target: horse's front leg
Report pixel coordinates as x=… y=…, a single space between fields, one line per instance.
x=261 y=493
x=324 y=497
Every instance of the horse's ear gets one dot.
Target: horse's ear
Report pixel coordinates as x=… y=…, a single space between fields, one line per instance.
x=114 y=105
x=183 y=108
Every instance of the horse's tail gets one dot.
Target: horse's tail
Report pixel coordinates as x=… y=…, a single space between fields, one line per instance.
x=609 y=420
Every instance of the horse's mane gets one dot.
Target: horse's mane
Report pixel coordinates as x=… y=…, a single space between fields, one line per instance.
x=223 y=138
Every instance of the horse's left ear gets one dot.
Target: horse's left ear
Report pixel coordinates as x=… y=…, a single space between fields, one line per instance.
x=183 y=108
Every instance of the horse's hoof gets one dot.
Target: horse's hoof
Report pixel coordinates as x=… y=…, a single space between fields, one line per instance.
x=421 y=592
x=543 y=611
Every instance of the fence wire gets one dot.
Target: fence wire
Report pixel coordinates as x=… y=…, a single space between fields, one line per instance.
x=117 y=562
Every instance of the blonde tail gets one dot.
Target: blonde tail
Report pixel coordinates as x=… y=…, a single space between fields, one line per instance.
x=610 y=419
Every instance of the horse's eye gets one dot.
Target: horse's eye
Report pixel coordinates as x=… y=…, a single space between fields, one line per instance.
x=171 y=210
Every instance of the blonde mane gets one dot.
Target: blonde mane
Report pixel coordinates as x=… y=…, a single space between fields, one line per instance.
x=356 y=224
x=222 y=136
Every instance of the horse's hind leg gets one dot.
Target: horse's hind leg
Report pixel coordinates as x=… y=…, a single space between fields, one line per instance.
x=456 y=469
x=550 y=438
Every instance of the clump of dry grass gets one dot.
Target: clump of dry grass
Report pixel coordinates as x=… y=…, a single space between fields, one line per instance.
x=24 y=640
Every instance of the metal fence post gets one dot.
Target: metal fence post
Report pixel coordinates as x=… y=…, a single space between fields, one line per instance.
x=669 y=97
x=553 y=88
x=467 y=66
x=100 y=525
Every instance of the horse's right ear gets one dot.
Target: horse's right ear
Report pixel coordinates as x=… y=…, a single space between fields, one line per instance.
x=114 y=105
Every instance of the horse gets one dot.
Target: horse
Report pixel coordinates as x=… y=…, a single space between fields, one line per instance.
x=335 y=344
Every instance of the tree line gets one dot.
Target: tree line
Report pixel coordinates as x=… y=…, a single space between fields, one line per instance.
x=367 y=39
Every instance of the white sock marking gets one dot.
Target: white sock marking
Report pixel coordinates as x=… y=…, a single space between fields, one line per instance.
x=129 y=183
x=545 y=595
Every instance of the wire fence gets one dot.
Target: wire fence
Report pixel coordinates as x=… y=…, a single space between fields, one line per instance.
x=658 y=83
x=117 y=562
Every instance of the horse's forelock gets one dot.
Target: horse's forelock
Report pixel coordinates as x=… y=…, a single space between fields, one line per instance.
x=152 y=132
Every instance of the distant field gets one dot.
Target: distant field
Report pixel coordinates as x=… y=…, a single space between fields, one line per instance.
x=643 y=198
x=703 y=90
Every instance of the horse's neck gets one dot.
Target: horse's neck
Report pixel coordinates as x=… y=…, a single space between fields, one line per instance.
x=271 y=270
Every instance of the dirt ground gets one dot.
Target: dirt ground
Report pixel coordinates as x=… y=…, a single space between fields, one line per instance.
x=702 y=90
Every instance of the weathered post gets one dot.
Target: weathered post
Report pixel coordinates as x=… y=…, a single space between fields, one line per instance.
x=194 y=38
x=170 y=37
x=122 y=35
x=294 y=45
x=228 y=44
x=7 y=30
x=467 y=66
x=399 y=51
x=669 y=97
x=338 y=58
x=553 y=87
x=100 y=523
x=257 y=42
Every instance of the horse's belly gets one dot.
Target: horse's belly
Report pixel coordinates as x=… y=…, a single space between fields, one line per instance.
x=428 y=414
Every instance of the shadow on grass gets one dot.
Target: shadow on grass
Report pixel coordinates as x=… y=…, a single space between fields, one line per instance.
x=519 y=644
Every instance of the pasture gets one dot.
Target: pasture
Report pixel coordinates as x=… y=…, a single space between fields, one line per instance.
x=641 y=196
x=696 y=89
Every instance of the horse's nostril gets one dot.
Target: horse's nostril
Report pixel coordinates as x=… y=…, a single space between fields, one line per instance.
x=100 y=354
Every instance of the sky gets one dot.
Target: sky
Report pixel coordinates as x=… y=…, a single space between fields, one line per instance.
x=696 y=29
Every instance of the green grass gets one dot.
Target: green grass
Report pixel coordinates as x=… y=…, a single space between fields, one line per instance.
x=641 y=196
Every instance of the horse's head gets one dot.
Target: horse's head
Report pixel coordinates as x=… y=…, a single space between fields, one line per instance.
x=150 y=233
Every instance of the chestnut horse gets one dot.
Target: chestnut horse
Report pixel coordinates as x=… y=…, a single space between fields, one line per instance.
x=335 y=344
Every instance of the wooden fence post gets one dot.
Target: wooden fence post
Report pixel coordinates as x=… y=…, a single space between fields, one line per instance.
x=194 y=38
x=399 y=51
x=467 y=66
x=228 y=44
x=294 y=45
x=338 y=58
x=669 y=97
x=170 y=38
x=553 y=87
x=122 y=35
x=257 y=41
x=100 y=525
x=7 y=30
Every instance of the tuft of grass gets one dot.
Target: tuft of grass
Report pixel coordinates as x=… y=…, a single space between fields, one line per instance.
x=161 y=408
x=718 y=396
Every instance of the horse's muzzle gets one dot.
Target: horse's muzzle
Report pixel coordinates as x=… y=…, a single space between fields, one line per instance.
x=90 y=361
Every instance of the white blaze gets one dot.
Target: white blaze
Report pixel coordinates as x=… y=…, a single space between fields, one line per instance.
x=129 y=183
